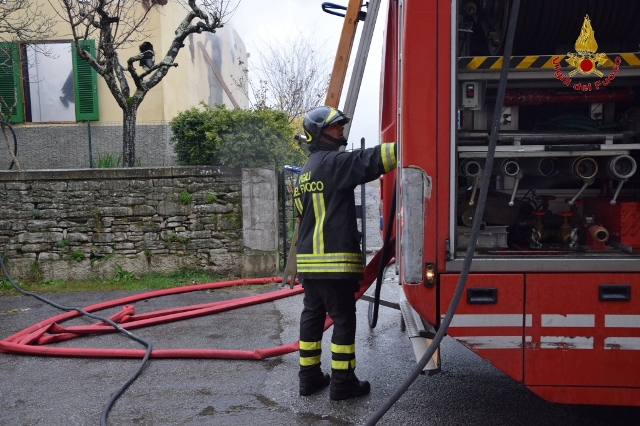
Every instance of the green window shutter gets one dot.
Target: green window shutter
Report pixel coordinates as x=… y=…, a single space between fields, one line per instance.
x=10 y=82
x=85 y=83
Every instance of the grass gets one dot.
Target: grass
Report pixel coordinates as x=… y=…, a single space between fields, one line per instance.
x=121 y=281
x=108 y=160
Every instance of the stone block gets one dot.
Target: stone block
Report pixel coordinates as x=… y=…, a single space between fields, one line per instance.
x=55 y=186
x=198 y=244
x=48 y=256
x=124 y=246
x=17 y=186
x=169 y=208
x=151 y=236
x=102 y=237
x=35 y=248
x=143 y=210
x=42 y=224
x=130 y=201
x=144 y=227
x=197 y=227
x=116 y=211
x=39 y=237
x=101 y=250
x=200 y=234
x=77 y=237
x=213 y=208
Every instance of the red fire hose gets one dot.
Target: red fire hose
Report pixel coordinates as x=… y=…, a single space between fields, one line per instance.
x=30 y=341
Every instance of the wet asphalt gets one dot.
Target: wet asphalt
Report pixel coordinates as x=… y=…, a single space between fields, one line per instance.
x=72 y=391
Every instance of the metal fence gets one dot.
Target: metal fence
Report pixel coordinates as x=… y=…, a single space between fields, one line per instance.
x=82 y=145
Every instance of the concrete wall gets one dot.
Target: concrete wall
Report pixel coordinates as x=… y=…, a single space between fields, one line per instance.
x=76 y=224
x=67 y=146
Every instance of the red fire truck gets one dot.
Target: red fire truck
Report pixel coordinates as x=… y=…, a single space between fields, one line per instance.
x=553 y=294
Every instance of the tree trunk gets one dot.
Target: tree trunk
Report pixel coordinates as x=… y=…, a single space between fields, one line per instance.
x=129 y=136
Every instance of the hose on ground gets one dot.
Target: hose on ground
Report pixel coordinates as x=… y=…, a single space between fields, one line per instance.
x=131 y=379
x=475 y=229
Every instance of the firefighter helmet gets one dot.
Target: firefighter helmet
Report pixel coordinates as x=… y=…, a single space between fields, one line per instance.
x=319 y=118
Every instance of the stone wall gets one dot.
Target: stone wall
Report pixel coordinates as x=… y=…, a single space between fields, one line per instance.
x=75 y=224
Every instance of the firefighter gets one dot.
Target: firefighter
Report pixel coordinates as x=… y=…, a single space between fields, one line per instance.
x=329 y=259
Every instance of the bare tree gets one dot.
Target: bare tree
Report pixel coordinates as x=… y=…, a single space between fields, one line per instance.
x=118 y=24
x=23 y=20
x=291 y=75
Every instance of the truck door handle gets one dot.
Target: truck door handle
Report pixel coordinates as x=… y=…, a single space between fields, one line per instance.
x=614 y=292
x=482 y=296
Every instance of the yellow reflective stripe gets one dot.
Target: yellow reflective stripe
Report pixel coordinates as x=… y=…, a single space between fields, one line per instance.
x=496 y=65
x=343 y=349
x=318 y=232
x=317 y=267
x=550 y=64
x=307 y=361
x=343 y=365
x=310 y=346
x=476 y=62
x=631 y=59
x=298 y=204
x=388 y=157
x=526 y=62
x=331 y=257
x=330 y=116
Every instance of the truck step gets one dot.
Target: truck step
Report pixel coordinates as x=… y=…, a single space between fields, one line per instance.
x=420 y=335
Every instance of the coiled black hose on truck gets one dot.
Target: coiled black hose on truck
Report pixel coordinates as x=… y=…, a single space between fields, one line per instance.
x=475 y=229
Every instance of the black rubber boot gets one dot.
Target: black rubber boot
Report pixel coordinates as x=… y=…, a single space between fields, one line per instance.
x=309 y=386
x=349 y=389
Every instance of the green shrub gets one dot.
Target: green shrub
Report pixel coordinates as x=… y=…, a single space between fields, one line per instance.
x=235 y=138
x=77 y=255
x=211 y=198
x=185 y=197
x=62 y=243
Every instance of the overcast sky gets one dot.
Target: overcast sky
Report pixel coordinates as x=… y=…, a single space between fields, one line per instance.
x=258 y=20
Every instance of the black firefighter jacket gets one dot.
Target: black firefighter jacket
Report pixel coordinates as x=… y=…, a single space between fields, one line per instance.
x=328 y=240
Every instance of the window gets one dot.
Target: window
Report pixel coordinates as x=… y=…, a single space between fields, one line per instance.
x=48 y=82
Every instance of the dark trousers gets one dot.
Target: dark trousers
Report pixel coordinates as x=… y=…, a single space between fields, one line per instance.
x=337 y=298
